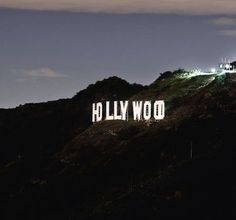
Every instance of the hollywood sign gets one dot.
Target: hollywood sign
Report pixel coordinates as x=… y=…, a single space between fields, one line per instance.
x=119 y=110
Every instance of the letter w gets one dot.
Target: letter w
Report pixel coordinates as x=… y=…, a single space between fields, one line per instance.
x=137 y=110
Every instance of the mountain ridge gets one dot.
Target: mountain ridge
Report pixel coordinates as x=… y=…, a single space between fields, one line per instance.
x=124 y=169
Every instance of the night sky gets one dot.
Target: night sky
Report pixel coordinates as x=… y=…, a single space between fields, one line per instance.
x=58 y=50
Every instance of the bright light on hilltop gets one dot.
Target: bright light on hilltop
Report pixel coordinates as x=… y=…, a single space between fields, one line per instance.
x=224 y=67
x=213 y=70
x=227 y=66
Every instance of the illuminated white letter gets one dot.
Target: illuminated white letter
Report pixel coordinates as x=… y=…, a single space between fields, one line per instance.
x=124 y=109
x=159 y=110
x=116 y=116
x=108 y=116
x=97 y=112
x=147 y=108
x=137 y=109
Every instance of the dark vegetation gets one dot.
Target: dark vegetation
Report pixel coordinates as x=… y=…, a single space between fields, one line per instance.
x=55 y=164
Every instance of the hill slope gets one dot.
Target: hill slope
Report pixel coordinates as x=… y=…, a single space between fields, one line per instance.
x=176 y=168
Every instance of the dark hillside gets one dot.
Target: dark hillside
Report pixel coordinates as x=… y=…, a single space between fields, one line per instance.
x=180 y=167
x=39 y=130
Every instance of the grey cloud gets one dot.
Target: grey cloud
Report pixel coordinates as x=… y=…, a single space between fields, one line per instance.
x=223 y=21
x=43 y=72
x=229 y=33
x=199 y=7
